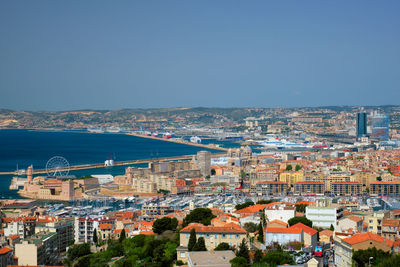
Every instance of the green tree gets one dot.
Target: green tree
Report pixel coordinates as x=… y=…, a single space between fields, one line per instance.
x=192 y=240
x=83 y=261
x=244 y=205
x=276 y=258
x=361 y=257
x=200 y=245
x=213 y=172
x=199 y=215
x=122 y=236
x=258 y=256
x=250 y=227
x=78 y=251
x=164 y=224
x=393 y=261
x=95 y=239
x=223 y=246
x=289 y=167
x=170 y=251
x=379 y=178
x=302 y=220
x=239 y=262
x=260 y=237
x=263 y=201
x=332 y=228
x=297 y=168
x=301 y=208
x=243 y=251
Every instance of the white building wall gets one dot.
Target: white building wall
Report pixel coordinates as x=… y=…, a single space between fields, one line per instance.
x=283 y=238
x=322 y=216
x=280 y=214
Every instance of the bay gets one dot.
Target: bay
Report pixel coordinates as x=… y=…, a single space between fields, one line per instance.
x=31 y=147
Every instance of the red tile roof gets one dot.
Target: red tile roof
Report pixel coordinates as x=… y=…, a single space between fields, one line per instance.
x=278 y=222
x=252 y=209
x=5 y=250
x=326 y=232
x=305 y=228
x=359 y=238
x=105 y=226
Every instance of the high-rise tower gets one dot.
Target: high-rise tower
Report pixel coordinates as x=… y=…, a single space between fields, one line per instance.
x=361 y=124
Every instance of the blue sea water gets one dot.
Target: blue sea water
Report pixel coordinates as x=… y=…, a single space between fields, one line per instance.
x=29 y=147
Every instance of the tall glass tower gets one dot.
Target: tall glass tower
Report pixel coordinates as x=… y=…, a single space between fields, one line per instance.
x=380 y=127
x=361 y=124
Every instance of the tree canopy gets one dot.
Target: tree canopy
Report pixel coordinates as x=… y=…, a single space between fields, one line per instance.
x=302 y=220
x=243 y=251
x=276 y=258
x=192 y=239
x=164 y=224
x=361 y=257
x=200 y=245
x=289 y=168
x=199 y=215
x=223 y=246
x=250 y=227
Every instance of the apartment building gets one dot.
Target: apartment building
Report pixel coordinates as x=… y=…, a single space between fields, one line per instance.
x=346 y=188
x=309 y=187
x=344 y=247
x=38 y=249
x=271 y=188
x=385 y=188
x=324 y=214
x=64 y=228
x=291 y=177
x=214 y=235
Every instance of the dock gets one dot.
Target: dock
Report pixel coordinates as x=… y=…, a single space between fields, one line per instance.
x=117 y=163
x=210 y=146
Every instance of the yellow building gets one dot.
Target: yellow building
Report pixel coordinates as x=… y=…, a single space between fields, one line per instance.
x=291 y=177
x=214 y=235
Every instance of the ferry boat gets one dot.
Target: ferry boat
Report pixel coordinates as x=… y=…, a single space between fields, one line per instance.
x=95 y=130
x=195 y=139
x=113 y=129
x=167 y=136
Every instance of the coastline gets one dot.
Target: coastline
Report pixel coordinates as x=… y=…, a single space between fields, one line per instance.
x=128 y=162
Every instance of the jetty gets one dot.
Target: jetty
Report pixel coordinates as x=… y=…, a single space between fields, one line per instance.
x=117 y=163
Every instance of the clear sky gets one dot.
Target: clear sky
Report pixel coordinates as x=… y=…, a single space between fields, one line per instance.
x=61 y=55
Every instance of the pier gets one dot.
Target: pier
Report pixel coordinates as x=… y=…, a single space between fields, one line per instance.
x=210 y=146
x=117 y=163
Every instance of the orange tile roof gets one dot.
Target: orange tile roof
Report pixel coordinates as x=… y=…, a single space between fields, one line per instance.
x=199 y=228
x=359 y=238
x=326 y=232
x=252 y=209
x=295 y=230
x=391 y=222
x=105 y=226
x=117 y=231
x=305 y=228
x=304 y=202
x=5 y=250
x=354 y=218
x=14 y=237
x=278 y=222
x=147 y=233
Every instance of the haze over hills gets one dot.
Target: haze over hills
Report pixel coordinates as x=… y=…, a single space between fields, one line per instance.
x=80 y=119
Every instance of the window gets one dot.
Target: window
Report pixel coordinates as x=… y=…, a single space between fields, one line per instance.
x=230 y=236
x=230 y=243
x=237 y=236
x=223 y=235
x=215 y=236
x=187 y=235
x=183 y=255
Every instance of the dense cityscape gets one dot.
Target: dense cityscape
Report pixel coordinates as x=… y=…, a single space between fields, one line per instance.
x=312 y=187
x=200 y=133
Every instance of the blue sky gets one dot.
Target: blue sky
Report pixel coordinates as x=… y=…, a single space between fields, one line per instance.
x=59 y=55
